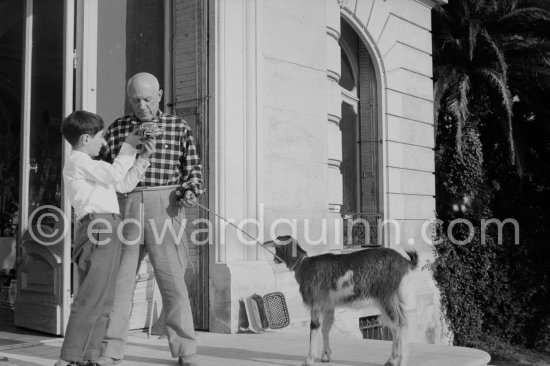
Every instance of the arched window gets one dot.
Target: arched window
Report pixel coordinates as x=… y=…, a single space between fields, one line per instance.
x=360 y=139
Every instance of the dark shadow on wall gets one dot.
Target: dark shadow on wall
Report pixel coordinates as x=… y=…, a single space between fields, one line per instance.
x=144 y=39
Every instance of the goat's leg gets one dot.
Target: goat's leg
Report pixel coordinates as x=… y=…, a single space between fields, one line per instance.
x=393 y=357
x=393 y=318
x=396 y=313
x=328 y=319
x=402 y=346
x=313 y=332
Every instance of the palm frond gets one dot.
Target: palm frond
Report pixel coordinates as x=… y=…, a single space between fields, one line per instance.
x=519 y=42
x=543 y=4
x=449 y=43
x=526 y=16
x=507 y=6
x=499 y=53
x=478 y=5
x=445 y=76
x=457 y=105
x=500 y=83
x=541 y=70
x=473 y=29
x=490 y=8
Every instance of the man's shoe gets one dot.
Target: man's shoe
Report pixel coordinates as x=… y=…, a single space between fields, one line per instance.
x=190 y=360
x=103 y=361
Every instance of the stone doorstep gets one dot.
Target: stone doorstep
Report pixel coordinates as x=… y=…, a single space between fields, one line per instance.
x=291 y=349
x=268 y=348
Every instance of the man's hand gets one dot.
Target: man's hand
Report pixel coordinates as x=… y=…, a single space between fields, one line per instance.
x=133 y=138
x=147 y=148
x=189 y=199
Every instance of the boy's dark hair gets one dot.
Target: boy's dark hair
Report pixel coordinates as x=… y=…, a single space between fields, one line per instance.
x=79 y=123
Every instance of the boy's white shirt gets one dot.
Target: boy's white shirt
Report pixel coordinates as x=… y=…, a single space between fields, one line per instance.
x=91 y=185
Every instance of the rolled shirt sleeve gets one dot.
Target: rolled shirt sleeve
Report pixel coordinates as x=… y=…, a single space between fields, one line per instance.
x=133 y=177
x=191 y=165
x=105 y=173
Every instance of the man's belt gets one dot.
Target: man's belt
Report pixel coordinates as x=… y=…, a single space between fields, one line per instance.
x=155 y=188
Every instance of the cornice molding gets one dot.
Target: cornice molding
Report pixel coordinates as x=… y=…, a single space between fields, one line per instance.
x=432 y=3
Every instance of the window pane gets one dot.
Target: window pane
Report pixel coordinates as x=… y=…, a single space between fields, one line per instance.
x=346 y=79
x=348 y=126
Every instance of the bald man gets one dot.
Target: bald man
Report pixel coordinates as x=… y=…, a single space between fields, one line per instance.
x=172 y=182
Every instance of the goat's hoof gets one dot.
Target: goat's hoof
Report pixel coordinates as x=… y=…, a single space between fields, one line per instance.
x=309 y=362
x=325 y=358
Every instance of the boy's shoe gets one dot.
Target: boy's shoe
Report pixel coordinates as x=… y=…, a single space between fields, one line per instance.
x=72 y=363
x=189 y=360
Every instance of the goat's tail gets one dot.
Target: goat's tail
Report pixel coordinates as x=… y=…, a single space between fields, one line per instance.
x=413 y=256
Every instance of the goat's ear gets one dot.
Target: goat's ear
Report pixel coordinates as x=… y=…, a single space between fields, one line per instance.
x=269 y=244
x=285 y=240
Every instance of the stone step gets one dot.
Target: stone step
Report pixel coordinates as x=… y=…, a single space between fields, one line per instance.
x=267 y=349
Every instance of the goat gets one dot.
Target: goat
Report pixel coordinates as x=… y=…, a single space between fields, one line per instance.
x=354 y=279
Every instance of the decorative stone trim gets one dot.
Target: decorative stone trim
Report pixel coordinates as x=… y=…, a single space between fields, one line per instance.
x=334 y=33
x=334 y=101
x=333 y=75
x=334 y=119
x=343 y=3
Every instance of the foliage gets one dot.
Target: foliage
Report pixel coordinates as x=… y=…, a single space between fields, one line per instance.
x=526 y=201
x=473 y=287
x=9 y=177
x=492 y=86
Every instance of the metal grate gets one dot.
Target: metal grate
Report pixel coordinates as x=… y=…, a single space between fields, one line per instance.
x=361 y=229
x=276 y=309
x=371 y=328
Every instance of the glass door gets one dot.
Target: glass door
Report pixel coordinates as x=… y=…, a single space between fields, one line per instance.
x=44 y=233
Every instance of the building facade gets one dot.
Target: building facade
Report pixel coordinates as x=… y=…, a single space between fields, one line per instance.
x=312 y=117
x=321 y=109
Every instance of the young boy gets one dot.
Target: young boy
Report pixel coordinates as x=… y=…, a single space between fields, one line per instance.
x=91 y=185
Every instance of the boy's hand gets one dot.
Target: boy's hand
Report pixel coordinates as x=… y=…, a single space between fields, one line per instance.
x=147 y=148
x=133 y=139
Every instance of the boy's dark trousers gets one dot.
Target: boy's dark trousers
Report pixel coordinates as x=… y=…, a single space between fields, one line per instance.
x=96 y=253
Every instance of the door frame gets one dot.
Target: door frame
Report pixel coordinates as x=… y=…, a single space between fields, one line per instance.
x=67 y=107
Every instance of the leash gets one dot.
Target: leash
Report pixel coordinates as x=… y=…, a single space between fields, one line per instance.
x=297 y=263
x=241 y=230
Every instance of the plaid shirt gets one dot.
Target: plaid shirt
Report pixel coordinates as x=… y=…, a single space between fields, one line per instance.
x=175 y=159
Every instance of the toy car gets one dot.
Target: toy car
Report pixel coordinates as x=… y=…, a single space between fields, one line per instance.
x=150 y=129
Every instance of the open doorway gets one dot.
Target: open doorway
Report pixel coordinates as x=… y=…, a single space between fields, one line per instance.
x=11 y=81
x=11 y=49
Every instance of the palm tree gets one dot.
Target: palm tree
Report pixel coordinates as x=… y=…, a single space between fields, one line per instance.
x=489 y=46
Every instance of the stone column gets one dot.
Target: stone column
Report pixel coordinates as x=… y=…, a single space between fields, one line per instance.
x=235 y=270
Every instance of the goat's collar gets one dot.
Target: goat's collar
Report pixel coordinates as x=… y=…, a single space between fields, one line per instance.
x=297 y=263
